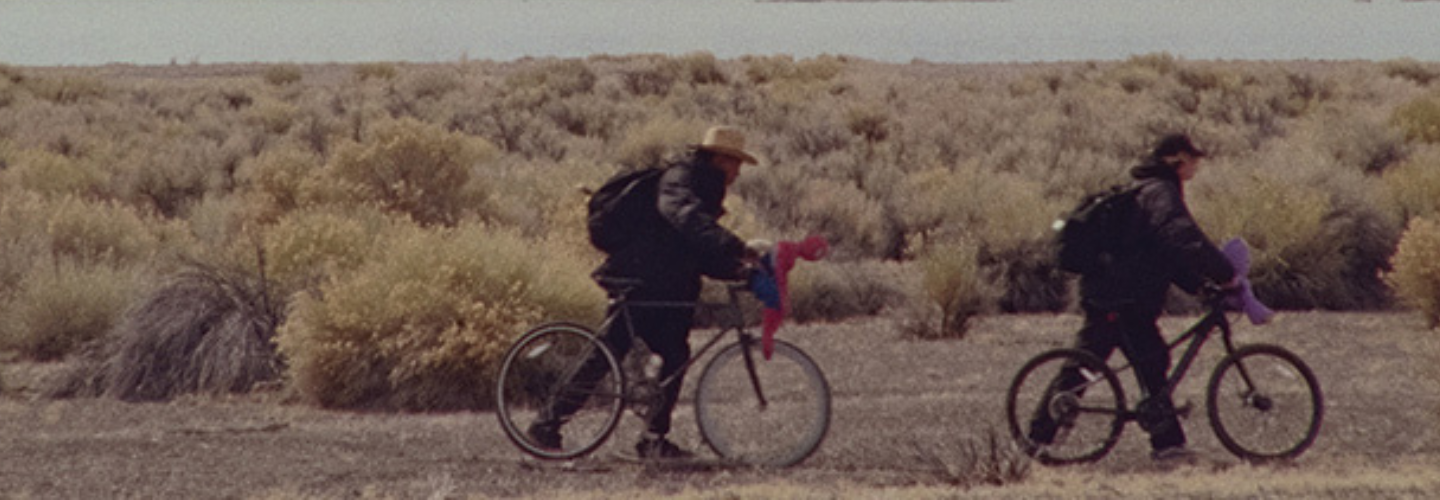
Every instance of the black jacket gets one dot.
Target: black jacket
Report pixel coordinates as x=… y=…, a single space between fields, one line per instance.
x=686 y=241
x=1166 y=247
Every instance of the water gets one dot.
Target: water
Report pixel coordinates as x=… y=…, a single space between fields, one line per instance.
x=89 y=32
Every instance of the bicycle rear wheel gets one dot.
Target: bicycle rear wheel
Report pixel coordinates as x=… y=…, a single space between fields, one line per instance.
x=1065 y=406
x=775 y=419
x=539 y=376
x=1264 y=403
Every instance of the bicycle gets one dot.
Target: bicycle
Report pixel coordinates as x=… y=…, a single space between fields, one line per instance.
x=750 y=410
x=1263 y=401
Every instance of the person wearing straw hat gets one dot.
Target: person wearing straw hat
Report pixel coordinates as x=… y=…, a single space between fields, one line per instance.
x=669 y=258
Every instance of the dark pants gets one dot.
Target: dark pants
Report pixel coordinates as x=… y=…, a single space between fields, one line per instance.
x=1138 y=337
x=665 y=331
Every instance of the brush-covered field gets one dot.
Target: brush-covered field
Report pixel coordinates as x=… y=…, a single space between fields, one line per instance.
x=284 y=281
x=913 y=419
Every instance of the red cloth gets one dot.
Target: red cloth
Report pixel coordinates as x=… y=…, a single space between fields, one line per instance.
x=782 y=260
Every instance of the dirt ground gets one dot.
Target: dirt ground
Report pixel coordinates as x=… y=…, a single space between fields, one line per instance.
x=908 y=414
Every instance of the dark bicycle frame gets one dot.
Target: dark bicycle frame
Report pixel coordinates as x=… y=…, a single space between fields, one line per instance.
x=1198 y=334
x=735 y=322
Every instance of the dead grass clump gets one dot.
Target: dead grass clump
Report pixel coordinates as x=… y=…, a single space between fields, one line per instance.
x=994 y=461
x=204 y=330
x=1416 y=274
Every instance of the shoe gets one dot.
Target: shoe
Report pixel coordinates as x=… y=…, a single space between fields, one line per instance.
x=1173 y=455
x=661 y=448
x=544 y=436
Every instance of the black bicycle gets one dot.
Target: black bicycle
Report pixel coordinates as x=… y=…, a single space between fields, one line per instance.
x=1263 y=402
x=751 y=410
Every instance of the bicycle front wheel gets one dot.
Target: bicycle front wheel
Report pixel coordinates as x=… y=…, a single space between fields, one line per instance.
x=1065 y=406
x=1264 y=403
x=771 y=413
x=559 y=373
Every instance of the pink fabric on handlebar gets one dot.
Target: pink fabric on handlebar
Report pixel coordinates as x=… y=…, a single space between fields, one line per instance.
x=782 y=260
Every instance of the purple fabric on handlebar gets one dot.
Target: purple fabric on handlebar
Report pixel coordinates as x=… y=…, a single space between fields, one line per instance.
x=1244 y=299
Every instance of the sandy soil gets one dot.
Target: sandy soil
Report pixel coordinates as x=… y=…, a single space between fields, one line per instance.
x=906 y=413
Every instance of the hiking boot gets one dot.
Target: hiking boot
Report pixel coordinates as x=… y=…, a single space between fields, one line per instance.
x=544 y=436
x=662 y=449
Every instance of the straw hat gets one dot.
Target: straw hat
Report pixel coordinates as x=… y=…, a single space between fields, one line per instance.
x=728 y=141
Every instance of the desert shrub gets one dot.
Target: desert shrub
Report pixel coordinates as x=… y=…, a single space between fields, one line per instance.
x=660 y=74
x=203 y=330
x=170 y=173
x=1162 y=63
x=655 y=140
x=1317 y=234
x=376 y=71
x=870 y=122
x=834 y=291
x=1419 y=119
x=88 y=231
x=553 y=80
x=306 y=246
x=420 y=326
x=701 y=68
x=856 y=224
x=1026 y=276
x=1416 y=268
x=996 y=209
x=1410 y=69
x=1414 y=185
x=412 y=168
x=280 y=180
x=69 y=89
x=432 y=83
x=53 y=174
x=273 y=116
x=953 y=281
x=58 y=307
x=1366 y=144
x=281 y=75
x=761 y=70
x=586 y=116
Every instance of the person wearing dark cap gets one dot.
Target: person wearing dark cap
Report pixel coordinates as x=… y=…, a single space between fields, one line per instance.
x=684 y=242
x=1123 y=301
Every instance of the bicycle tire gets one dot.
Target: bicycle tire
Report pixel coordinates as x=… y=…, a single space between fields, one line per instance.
x=781 y=433
x=1088 y=419
x=535 y=373
x=1264 y=403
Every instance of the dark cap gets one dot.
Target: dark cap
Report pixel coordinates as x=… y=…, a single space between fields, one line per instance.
x=1175 y=144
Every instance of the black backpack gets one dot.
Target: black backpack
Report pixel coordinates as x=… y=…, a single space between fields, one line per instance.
x=623 y=208
x=1094 y=235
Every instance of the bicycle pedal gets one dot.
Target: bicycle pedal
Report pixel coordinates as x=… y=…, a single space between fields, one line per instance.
x=1183 y=410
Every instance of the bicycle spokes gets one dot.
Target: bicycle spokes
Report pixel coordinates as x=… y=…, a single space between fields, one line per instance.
x=1064 y=406
x=1264 y=403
